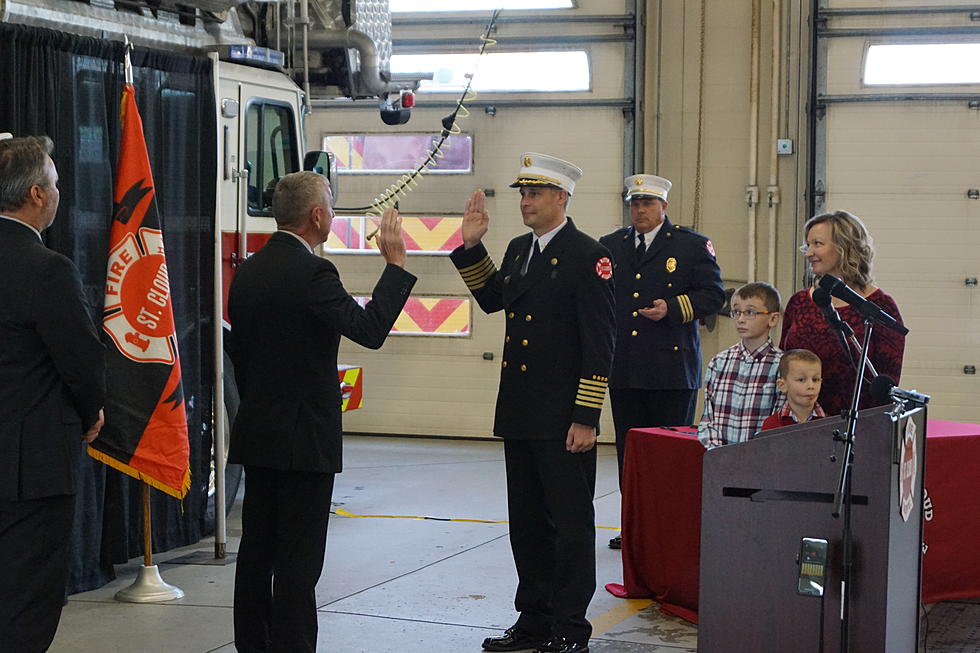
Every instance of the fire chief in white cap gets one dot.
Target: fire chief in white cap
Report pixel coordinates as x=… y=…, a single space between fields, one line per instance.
x=667 y=278
x=555 y=289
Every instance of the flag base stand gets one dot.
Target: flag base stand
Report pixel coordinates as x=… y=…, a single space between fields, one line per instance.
x=149 y=587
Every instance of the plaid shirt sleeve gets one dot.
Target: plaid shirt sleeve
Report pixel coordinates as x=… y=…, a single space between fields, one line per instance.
x=707 y=431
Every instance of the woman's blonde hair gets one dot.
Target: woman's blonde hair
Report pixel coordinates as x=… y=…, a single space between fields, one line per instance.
x=853 y=244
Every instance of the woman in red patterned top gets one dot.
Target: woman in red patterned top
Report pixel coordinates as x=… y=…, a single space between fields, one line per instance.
x=839 y=244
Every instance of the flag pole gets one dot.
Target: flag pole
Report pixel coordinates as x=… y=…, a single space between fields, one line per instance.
x=147 y=530
x=149 y=586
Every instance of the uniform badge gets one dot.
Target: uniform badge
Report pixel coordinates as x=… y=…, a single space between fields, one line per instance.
x=671 y=264
x=527 y=162
x=710 y=248
x=604 y=268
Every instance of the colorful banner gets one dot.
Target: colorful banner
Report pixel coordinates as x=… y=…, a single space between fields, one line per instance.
x=145 y=434
x=431 y=316
x=423 y=235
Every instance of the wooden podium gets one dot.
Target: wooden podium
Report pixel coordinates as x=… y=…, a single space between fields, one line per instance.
x=761 y=497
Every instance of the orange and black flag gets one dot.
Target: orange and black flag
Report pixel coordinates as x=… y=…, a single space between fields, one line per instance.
x=145 y=434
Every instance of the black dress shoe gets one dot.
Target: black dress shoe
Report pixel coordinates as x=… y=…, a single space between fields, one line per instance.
x=559 y=644
x=514 y=639
x=616 y=542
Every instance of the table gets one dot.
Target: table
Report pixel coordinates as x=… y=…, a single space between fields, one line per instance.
x=661 y=516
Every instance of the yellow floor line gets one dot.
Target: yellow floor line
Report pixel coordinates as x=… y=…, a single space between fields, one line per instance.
x=619 y=614
x=340 y=512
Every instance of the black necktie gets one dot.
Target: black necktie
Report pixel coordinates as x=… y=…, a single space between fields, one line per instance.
x=534 y=252
x=641 y=247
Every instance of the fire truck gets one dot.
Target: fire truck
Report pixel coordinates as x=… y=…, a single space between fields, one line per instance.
x=269 y=59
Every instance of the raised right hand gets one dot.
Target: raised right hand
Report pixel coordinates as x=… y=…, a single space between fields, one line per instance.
x=476 y=220
x=390 y=241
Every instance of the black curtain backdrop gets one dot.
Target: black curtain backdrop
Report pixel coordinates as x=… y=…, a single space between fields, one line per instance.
x=70 y=88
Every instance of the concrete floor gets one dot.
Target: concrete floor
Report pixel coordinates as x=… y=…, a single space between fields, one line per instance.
x=408 y=585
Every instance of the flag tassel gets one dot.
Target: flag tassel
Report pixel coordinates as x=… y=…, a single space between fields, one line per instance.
x=135 y=473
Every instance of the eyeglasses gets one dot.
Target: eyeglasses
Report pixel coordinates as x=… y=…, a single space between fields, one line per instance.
x=749 y=314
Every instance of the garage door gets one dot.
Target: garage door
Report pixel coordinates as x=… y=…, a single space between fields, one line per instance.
x=905 y=157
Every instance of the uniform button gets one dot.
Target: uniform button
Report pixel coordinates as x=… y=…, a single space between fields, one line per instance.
x=524 y=342
x=638 y=275
x=524 y=368
x=527 y=318
x=510 y=314
x=635 y=295
x=504 y=364
x=635 y=314
x=676 y=347
x=507 y=339
x=633 y=333
x=670 y=285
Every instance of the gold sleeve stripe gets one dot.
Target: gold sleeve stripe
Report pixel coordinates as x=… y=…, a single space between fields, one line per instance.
x=478 y=270
x=687 y=309
x=476 y=276
x=586 y=392
x=588 y=403
x=483 y=263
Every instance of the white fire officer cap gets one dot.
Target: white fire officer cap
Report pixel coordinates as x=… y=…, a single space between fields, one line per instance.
x=543 y=170
x=5 y=135
x=642 y=185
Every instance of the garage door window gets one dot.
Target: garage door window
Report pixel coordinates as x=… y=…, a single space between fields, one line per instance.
x=922 y=63
x=501 y=72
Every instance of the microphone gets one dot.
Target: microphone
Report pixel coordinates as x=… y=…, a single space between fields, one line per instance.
x=843 y=330
x=883 y=389
x=868 y=309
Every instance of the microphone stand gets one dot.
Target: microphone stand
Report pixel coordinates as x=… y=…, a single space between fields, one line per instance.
x=842 y=498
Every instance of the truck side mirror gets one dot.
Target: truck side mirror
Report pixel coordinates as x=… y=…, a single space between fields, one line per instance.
x=324 y=163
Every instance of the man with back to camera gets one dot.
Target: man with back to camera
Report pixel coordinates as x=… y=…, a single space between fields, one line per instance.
x=666 y=279
x=555 y=287
x=288 y=310
x=52 y=389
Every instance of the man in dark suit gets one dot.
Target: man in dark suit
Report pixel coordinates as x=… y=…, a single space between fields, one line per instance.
x=288 y=310
x=52 y=389
x=666 y=279
x=555 y=287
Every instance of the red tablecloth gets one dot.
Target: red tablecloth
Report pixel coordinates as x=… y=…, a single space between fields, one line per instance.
x=661 y=514
x=661 y=519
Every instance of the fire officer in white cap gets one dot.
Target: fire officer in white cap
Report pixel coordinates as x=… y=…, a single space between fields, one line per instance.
x=555 y=288
x=666 y=279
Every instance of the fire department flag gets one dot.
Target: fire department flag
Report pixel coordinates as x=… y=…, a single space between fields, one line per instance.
x=145 y=434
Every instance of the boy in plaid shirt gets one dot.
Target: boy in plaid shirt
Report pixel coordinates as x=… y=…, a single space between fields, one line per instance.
x=740 y=385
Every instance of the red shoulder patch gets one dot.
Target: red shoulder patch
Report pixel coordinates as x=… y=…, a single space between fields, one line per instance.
x=711 y=248
x=604 y=268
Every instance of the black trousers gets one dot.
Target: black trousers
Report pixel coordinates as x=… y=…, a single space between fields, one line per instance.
x=552 y=535
x=638 y=408
x=284 y=537
x=34 y=538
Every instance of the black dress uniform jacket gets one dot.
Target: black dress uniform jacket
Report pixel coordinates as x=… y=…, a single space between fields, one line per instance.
x=52 y=368
x=559 y=338
x=288 y=310
x=678 y=266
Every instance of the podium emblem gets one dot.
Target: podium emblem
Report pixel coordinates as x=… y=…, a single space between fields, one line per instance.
x=908 y=471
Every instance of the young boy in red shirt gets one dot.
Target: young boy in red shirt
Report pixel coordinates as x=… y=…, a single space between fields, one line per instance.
x=799 y=379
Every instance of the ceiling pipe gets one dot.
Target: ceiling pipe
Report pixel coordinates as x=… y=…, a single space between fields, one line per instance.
x=370 y=82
